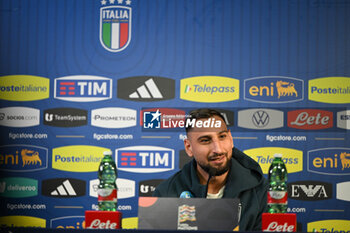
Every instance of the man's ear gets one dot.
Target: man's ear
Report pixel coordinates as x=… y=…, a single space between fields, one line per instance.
x=230 y=135
x=188 y=147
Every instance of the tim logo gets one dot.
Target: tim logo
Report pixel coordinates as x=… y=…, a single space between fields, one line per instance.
x=145 y=159
x=329 y=161
x=273 y=89
x=152 y=120
x=115 y=25
x=23 y=158
x=83 y=88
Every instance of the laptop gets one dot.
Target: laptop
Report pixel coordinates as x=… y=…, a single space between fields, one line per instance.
x=163 y=213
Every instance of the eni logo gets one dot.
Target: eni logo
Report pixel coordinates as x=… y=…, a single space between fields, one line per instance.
x=332 y=90
x=273 y=89
x=329 y=161
x=30 y=157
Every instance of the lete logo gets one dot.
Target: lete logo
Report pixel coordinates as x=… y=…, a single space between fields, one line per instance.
x=310 y=119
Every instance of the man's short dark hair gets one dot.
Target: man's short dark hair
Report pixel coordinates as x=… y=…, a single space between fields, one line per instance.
x=202 y=113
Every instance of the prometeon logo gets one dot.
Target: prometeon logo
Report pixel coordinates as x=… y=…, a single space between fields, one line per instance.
x=113 y=117
x=65 y=117
x=332 y=90
x=115 y=25
x=209 y=89
x=63 y=187
x=24 y=88
x=77 y=158
x=329 y=161
x=19 y=117
x=23 y=158
x=260 y=119
x=83 y=88
x=145 y=159
x=146 y=88
x=264 y=155
x=310 y=190
x=310 y=119
x=274 y=89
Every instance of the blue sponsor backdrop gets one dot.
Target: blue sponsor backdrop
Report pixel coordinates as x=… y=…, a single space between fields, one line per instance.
x=130 y=55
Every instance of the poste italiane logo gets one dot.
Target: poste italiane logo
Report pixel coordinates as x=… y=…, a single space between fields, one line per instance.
x=77 y=158
x=331 y=225
x=115 y=25
x=264 y=155
x=24 y=88
x=22 y=221
x=273 y=89
x=333 y=90
x=209 y=89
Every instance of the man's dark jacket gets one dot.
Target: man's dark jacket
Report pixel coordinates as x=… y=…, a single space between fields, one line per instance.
x=245 y=181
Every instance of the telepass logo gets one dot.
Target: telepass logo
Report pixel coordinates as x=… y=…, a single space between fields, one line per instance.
x=115 y=25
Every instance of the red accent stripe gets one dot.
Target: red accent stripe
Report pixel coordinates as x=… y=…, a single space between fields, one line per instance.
x=124 y=159
x=124 y=164
x=71 y=93
x=133 y=159
x=132 y=164
x=71 y=88
x=63 y=93
x=67 y=83
x=63 y=88
x=124 y=34
x=128 y=154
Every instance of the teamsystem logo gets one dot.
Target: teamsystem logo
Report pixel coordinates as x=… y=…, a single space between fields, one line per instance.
x=83 y=88
x=153 y=120
x=115 y=25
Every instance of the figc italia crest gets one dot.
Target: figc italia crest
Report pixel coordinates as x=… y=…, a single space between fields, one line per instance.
x=115 y=25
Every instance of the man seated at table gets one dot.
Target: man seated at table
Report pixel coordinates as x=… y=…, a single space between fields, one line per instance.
x=219 y=170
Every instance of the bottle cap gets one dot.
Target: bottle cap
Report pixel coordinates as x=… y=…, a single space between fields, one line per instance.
x=107 y=152
x=277 y=155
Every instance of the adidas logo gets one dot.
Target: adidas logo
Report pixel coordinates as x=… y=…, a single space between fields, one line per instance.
x=148 y=90
x=65 y=189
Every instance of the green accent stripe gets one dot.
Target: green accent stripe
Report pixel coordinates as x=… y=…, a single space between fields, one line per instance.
x=106 y=34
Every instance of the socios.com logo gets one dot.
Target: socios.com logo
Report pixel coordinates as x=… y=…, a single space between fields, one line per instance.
x=329 y=161
x=24 y=88
x=77 y=158
x=145 y=159
x=273 y=89
x=331 y=225
x=264 y=155
x=209 y=89
x=333 y=90
x=23 y=158
x=83 y=88
x=22 y=221
x=68 y=222
x=126 y=188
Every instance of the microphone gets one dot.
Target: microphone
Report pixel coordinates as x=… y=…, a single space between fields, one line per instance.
x=279 y=222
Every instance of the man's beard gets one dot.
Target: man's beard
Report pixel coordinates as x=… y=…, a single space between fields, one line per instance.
x=213 y=171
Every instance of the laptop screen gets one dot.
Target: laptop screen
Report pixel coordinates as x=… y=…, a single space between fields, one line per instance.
x=164 y=213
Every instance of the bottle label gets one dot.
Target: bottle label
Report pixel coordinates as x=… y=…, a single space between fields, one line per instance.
x=107 y=195
x=277 y=197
